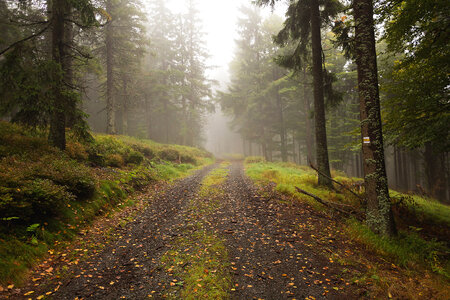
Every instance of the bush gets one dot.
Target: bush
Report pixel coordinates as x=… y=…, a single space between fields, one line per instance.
x=34 y=200
x=114 y=160
x=146 y=151
x=75 y=176
x=169 y=155
x=77 y=151
x=255 y=160
x=134 y=157
x=188 y=159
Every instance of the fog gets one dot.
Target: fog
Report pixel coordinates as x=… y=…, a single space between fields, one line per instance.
x=219 y=21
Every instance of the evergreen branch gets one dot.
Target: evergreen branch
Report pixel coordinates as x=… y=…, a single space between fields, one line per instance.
x=24 y=40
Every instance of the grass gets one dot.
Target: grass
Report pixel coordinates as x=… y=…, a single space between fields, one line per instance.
x=410 y=249
x=199 y=258
x=94 y=179
x=287 y=176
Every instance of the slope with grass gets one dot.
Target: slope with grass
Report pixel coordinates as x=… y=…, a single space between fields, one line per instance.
x=422 y=245
x=48 y=195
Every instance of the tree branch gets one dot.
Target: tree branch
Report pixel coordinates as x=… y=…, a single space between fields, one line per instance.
x=331 y=205
x=337 y=182
x=24 y=40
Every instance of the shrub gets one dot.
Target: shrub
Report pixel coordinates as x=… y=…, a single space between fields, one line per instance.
x=95 y=157
x=188 y=159
x=255 y=159
x=146 y=151
x=134 y=157
x=169 y=154
x=76 y=151
x=114 y=160
x=75 y=176
x=35 y=199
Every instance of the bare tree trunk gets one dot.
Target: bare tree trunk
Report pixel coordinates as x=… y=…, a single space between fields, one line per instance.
x=110 y=96
x=307 y=109
x=379 y=215
x=68 y=68
x=319 y=105
x=57 y=133
x=148 y=117
x=125 y=108
x=283 y=146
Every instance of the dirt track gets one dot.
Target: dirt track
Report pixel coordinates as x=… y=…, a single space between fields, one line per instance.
x=277 y=250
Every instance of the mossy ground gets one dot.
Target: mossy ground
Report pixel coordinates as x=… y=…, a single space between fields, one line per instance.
x=199 y=257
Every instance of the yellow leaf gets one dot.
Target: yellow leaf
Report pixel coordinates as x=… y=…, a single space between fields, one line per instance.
x=11 y=286
x=40 y=297
x=28 y=293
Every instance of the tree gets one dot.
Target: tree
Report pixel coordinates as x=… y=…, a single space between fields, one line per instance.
x=303 y=24
x=415 y=85
x=52 y=79
x=379 y=216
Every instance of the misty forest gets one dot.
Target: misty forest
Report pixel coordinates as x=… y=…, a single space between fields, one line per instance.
x=206 y=149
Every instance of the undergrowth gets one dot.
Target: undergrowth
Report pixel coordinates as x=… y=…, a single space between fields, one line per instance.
x=48 y=195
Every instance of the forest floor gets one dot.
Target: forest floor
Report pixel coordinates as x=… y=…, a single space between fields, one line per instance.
x=202 y=237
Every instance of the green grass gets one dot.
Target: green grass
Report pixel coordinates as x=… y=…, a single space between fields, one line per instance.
x=287 y=176
x=199 y=258
x=200 y=261
x=408 y=249
x=429 y=209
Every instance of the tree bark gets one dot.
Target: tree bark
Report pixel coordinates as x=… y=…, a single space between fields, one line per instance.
x=319 y=104
x=57 y=133
x=307 y=109
x=125 y=108
x=379 y=215
x=110 y=101
x=68 y=69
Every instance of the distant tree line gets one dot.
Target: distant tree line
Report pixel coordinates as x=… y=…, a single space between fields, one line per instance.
x=63 y=63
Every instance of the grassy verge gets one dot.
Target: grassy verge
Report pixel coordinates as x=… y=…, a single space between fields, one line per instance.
x=47 y=196
x=199 y=260
x=411 y=249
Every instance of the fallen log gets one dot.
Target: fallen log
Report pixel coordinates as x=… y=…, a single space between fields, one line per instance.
x=361 y=199
x=331 y=205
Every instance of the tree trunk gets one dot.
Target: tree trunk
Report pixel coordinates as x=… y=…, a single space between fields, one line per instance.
x=110 y=101
x=68 y=70
x=283 y=146
x=148 y=117
x=307 y=109
x=319 y=105
x=125 y=108
x=435 y=173
x=57 y=133
x=379 y=215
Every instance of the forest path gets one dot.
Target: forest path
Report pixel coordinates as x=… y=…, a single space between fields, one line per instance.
x=275 y=249
x=278 y=249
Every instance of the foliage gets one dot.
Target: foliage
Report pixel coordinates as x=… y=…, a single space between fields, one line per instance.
x=407 y=249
